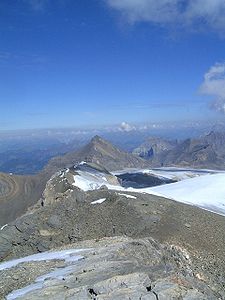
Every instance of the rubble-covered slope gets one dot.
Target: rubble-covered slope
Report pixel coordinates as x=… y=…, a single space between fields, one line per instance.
x=69 y=215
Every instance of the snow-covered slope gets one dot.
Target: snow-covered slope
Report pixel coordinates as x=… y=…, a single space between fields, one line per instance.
x=206 y=191
x=92 y=181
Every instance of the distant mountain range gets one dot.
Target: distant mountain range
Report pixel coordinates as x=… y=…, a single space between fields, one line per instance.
x=153 y=147
x=24 y=159
x=27 y=152
x=204 y=152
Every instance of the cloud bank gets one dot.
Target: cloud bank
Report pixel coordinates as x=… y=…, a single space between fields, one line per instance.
x=124 y=126
x=203 y=14
x=214 y=85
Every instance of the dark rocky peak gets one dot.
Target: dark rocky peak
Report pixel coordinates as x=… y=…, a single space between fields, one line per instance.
x=97 y=139
x=154 y=146
x=98 y=144
x=97 y=151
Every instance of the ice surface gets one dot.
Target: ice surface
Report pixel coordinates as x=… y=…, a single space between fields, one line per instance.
x=67 y=255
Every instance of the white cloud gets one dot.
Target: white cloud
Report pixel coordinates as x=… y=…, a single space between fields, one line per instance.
x=208 y=14
x=145 y=10
x=214 y=85
x=126 y=127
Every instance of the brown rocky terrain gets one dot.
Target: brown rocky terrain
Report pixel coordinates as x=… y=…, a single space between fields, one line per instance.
x=17 y=193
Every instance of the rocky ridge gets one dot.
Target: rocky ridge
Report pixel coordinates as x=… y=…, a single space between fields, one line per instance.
x=111 y=268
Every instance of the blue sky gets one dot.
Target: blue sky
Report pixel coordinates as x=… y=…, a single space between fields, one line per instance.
x=95 y=62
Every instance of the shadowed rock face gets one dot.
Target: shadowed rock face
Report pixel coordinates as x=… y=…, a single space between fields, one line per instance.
x=139 y=180
x=153 y=147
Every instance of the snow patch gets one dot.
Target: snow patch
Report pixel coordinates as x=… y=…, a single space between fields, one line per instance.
x=3 y=226
x=99 y=201
x=38 y=284
x=90 y=181
x=66 y=255
x=70 y=266
x=128 y=196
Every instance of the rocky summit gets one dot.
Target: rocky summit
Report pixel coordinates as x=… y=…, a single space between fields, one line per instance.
x=99 y=151
x=119 y=245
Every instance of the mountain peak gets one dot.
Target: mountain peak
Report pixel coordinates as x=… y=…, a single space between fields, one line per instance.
x=99 y=151
x=97 y=139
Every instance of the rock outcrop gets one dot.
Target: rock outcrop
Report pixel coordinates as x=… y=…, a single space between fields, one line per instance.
x=111 y=268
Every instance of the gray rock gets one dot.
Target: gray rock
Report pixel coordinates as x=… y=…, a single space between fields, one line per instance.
x=5 y=246
x=117 y=268
x=54 y=221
